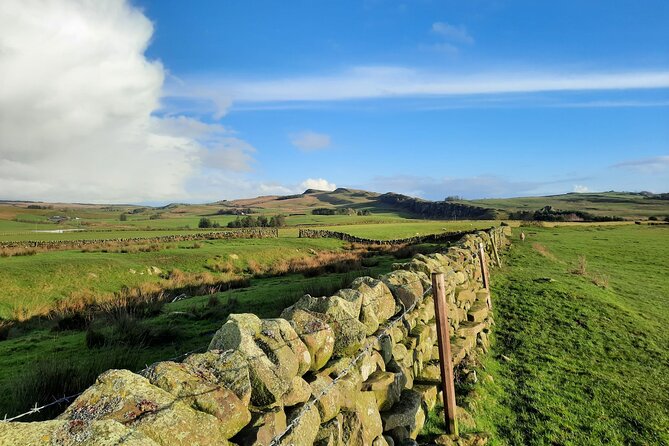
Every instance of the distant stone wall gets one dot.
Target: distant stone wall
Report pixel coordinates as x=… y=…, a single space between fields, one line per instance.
x=261 y=377
x=211 y=235
x=429 y=238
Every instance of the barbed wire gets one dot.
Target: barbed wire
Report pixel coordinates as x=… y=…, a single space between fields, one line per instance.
x=37 y=409
x=287 y=342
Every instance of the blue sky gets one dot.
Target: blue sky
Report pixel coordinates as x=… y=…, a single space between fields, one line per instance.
x=430 y=98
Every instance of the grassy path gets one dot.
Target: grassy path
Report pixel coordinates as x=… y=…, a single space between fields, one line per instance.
x=581 y=359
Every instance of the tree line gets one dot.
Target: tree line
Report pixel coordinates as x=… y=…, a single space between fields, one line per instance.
x=248 y=221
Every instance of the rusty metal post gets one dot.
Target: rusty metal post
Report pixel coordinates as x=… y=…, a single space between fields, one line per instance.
x=445 y=359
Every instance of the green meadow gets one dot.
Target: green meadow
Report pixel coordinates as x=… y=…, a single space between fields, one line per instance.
x=581 y=352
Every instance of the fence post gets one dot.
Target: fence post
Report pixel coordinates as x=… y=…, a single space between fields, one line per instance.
x=484 y=274
x=494 y=250
x=445 y=361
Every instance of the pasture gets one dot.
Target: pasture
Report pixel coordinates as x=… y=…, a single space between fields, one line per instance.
x=582 y=347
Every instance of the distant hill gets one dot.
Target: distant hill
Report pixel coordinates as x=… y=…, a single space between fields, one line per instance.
x=360 y=200
x=627 y=205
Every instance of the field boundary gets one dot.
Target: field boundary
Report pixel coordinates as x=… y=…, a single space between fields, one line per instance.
x=212 y=235
x=429 y=238
x=367 y=354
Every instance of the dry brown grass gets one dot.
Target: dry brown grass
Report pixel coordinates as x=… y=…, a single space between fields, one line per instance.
x=581 y=267
x=601 y=280
x=17 y=251
x=544 y=251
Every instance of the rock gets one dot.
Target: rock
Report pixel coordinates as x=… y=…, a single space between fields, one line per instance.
x=272 y=349
x=465 y=296
x=73 y=433
x=405 y=372
x=406 y=413
x=380 y=441
x=349 y=387
x=299 y=392
x=183 y=382
x=263 y=428
x=379 y=361
x=478 y=311
x=399 y=352
x=470 y=328
x=406 y=287
x=305 y=431
x=123 y=396
x=351 y=429
x=386 y=388
x=408 y=442
x=367 y=412
x=389 y=440
x=378 y=304
x=428 y=394
x=444 y=440
x=341 y=312
x=331 y=433
x=386 y=351
x=431 y=373
x=328 y=405
x=316 y=334
x=228 y=369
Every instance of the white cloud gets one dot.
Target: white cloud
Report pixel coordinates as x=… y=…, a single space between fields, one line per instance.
x=454 y=33
x=76 y=103
x=400 y=82
x=308 y=141
x=317 y=183
x=580 y=189
x=653 y=165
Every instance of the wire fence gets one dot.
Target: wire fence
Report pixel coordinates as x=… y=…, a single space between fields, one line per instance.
x=287 y=343
x=65 y=399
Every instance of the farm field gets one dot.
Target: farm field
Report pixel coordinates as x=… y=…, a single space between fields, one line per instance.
x=65 y=361
x=581 y=354
x=621 y=204
x=32 y=284
x=573 y=335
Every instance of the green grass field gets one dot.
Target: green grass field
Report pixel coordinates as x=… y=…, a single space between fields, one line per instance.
x=581 y=352
x=43 y=363
x=34 y=282
x=621 y=204
x=582 y=349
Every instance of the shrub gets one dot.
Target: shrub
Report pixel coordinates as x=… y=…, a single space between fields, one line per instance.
x=204 y=223
x=123 y=217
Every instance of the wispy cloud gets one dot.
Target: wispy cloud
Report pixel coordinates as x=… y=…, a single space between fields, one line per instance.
x=309 y=141
x=376 y=82
x=456 y=33
x=646 y=165
x=479 y=186
x=580 y=189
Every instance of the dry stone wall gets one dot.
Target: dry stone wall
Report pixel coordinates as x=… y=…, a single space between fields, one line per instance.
x=337 y=370
x=429 y=238
x=195 y=236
